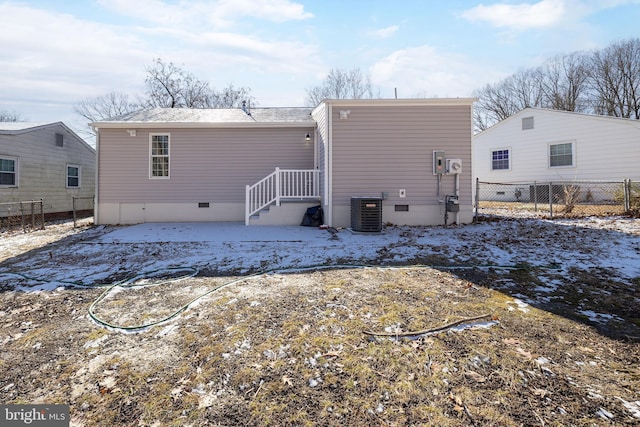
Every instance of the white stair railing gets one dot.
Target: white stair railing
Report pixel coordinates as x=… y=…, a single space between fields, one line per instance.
x=281 y=184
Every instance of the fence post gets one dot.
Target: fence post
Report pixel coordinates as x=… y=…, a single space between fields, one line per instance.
x=535 y=196
x=477 y=197
x=550 y=200
x=24 y=229
x=42 y=212
x=73 y=204
x=33 y=215
x=627 y=194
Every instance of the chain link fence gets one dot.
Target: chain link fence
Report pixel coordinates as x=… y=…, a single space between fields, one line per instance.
x=28 y=215
x=82 y=208
x=558 y=199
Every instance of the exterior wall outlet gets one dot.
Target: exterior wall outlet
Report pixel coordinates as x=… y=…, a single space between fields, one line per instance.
x=402 y=193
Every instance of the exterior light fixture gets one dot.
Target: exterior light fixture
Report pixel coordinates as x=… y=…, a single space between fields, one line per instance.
x=307 y=138
x=132 y=132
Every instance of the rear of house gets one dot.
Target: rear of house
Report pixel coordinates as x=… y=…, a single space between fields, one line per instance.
x=193 y=165
x=217 y=165
x=44 y=161
x=386 y=149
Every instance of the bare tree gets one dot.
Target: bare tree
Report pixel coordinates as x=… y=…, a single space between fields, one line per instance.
x=498 y=101
x=106 y=106
x=172 y=87
x=166 y=86
x=169 y=86
x=565 y=82
x=229 y=97
x=10 y=116
x=562 y=83
x=616 y=79
x=341 y=84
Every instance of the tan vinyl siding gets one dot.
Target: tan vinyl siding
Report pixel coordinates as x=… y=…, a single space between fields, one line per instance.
x=42 y=167
x=381 y=149
x=206 y=165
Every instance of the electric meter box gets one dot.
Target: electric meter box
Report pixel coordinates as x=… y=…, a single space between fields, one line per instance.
x=439 y=163
x=454 y=166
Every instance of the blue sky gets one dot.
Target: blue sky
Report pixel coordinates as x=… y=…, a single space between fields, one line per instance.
x=54 y=53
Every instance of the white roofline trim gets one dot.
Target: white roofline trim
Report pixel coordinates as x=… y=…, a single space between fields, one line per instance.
x=403 y=101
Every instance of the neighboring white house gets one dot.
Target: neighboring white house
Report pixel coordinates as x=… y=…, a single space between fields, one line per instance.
x=45 y=161
x=550 y=145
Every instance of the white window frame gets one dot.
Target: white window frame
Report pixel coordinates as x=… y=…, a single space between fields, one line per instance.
x=573 y=154
x=493 y=150
x=153 y=156
x=67 y=176
x=16 y=171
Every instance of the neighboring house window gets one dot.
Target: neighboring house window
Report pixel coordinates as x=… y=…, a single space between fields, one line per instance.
x=73 y=176
x=8 y=171
x=59 y=140
x=527 y=123
x=561 y=154
x=159 y=162
x=500 y=160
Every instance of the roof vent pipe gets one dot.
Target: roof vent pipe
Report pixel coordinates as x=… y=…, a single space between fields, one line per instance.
x=246 y=107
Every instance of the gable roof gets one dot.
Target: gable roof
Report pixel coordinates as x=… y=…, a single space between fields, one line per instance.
x=18 y=128
x=213 y=117
x=570 y=114
x=15 y=128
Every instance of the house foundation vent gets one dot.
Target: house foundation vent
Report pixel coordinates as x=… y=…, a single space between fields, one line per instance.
x=366 y=214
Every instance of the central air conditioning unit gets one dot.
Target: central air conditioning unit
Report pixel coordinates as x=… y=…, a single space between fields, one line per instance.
x=366 y=214
x=454 y=166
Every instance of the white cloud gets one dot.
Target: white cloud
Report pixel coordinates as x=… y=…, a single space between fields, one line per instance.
x=203 y=14
x=523 y=16
x=61 y=56
x=203 y=35
x=384 y=33
x=423 y=71
x=272 y=10
x=540 y=14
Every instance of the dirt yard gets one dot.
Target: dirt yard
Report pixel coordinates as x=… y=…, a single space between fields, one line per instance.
x=430 y=338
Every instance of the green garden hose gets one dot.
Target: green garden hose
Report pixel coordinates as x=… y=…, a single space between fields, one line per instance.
x=192 y=271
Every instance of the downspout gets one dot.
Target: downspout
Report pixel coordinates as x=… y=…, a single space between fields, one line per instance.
x=329 y=166
x=457 y=193
x=315 y=148
x=96 y=192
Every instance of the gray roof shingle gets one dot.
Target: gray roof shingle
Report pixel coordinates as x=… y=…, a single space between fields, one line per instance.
x=19 y=127
x=216 y=115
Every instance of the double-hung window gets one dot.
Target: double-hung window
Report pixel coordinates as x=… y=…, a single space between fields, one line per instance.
x=73 y=176
x=561 y=154
x=500 y=159
x=159 y=156
x=8 y=172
